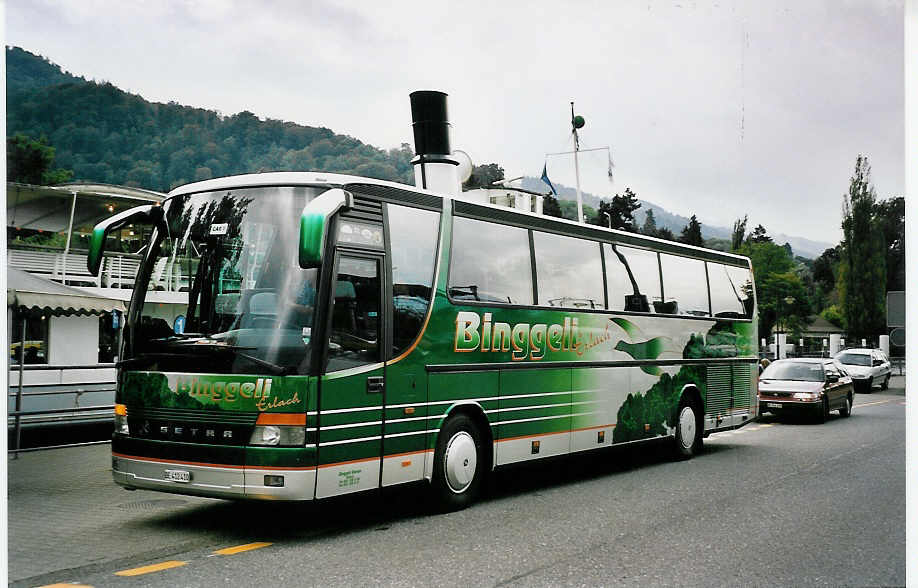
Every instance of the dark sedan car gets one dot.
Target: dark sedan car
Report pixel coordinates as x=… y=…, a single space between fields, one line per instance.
x=806 y=386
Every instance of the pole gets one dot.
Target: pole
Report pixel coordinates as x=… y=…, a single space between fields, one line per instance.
x=777 y=331
x=577 y=168
x=19 y=391
x=69 y=233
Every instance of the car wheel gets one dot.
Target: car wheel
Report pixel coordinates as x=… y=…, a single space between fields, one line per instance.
x=689 y=430
x=460 y=464
x=885 y=384
x=823 y=413
x=845 y=411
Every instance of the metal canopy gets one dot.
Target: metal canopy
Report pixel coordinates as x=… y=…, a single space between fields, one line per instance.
x=48 y=208
x=30 y=294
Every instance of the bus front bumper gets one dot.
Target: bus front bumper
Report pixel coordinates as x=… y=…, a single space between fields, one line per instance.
x=213 y=480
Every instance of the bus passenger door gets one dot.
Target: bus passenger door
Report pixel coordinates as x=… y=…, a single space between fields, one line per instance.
x=351 y=389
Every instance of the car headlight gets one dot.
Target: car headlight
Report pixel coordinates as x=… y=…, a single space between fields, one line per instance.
x=121 y=422
x=278 y=435
x=806 y=395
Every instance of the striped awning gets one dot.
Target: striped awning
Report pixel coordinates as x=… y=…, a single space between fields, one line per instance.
x=31 y=294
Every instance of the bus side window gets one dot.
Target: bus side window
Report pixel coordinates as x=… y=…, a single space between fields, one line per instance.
x=354 y=339
x=727 y=296
x=684 y=286
x=741 y=279
x=632 y=278
x=413 y=238
x=490 y=263
x=569 y=272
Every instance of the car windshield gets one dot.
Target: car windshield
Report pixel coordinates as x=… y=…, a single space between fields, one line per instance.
x=854 y=359
x=221 y=289
x=793 y=370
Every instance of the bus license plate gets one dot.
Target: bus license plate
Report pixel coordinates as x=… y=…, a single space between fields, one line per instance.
x=773 y=404
x=178 y=475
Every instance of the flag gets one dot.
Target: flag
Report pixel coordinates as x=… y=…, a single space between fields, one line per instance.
x=609 y=153
x=546 y=180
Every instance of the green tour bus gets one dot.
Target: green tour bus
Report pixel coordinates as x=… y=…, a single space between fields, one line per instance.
x=335 y=334
x=343 y=334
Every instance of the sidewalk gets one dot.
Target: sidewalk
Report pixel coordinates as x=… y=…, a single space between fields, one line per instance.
x=66 y=512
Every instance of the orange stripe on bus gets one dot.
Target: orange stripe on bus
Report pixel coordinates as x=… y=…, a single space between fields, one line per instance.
x=282 y=419
x=340 y=463
x=592 y=428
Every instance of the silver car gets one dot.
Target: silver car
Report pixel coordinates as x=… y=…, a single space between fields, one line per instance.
x=866 y=367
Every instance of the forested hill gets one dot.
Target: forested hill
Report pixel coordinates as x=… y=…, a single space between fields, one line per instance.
x=105 y=134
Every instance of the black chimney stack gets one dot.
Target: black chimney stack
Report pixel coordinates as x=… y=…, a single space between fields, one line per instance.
x=430 y=122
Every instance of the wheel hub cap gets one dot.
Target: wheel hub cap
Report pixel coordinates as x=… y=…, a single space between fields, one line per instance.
x=460 y=461
x=687 y=426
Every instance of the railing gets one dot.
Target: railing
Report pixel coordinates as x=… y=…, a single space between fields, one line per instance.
x=118 y=269
x=59 y=395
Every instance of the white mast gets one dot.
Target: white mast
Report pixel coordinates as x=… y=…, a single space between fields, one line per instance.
x=575 y=126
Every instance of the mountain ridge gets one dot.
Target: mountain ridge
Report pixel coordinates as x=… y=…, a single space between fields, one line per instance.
x=106 y=134
x=675 y=222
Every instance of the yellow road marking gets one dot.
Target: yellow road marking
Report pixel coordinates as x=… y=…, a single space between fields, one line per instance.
x=241 y=548
x=872 y=403
x=151 y=568
x=767 y=425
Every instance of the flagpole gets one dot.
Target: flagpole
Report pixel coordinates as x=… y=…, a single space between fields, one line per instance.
x=577 y=167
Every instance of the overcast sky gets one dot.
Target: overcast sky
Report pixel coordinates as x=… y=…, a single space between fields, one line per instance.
x=716 y=108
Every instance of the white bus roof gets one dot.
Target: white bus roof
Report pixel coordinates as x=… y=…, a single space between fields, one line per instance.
x=335 y=180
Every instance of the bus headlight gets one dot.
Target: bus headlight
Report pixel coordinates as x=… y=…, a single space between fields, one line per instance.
x=278 y=435
x=121 y=422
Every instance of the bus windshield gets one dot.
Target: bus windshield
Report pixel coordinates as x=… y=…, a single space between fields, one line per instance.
x=220 y=288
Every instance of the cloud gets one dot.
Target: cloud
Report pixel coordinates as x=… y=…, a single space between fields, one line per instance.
x=711 y=108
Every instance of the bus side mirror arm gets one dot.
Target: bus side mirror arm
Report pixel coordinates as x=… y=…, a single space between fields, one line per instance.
x=149 y=212
x=314 y=223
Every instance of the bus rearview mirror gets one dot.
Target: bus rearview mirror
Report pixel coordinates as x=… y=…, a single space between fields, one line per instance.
x=314 y=223
x=152 y=213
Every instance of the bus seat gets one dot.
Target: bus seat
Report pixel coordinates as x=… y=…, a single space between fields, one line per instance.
x=344 y=315
x=262 y=309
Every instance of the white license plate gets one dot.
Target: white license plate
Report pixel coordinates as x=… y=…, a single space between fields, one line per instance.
x=773 y=405
x=177 y=475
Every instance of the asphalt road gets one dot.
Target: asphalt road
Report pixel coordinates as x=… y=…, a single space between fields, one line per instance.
x=777 y=503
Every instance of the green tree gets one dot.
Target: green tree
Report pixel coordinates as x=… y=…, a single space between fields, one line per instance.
x=620 y=210
x=650 y=224
x=483 y=176
x=665 y=233
x=550 y=206
x=863 y=297
x=691 y=233
x=739 y=232
x=774 y=292
x=769 y=260
x=30 y=161
x=759 y=235
x=890 y=215
x=825 y=268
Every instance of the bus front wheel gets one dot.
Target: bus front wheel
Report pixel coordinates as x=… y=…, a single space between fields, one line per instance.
x=460 y=464
x=689 y=430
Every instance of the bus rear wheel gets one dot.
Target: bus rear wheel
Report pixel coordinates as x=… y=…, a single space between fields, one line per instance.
x=689 y=430
x=460 y=464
